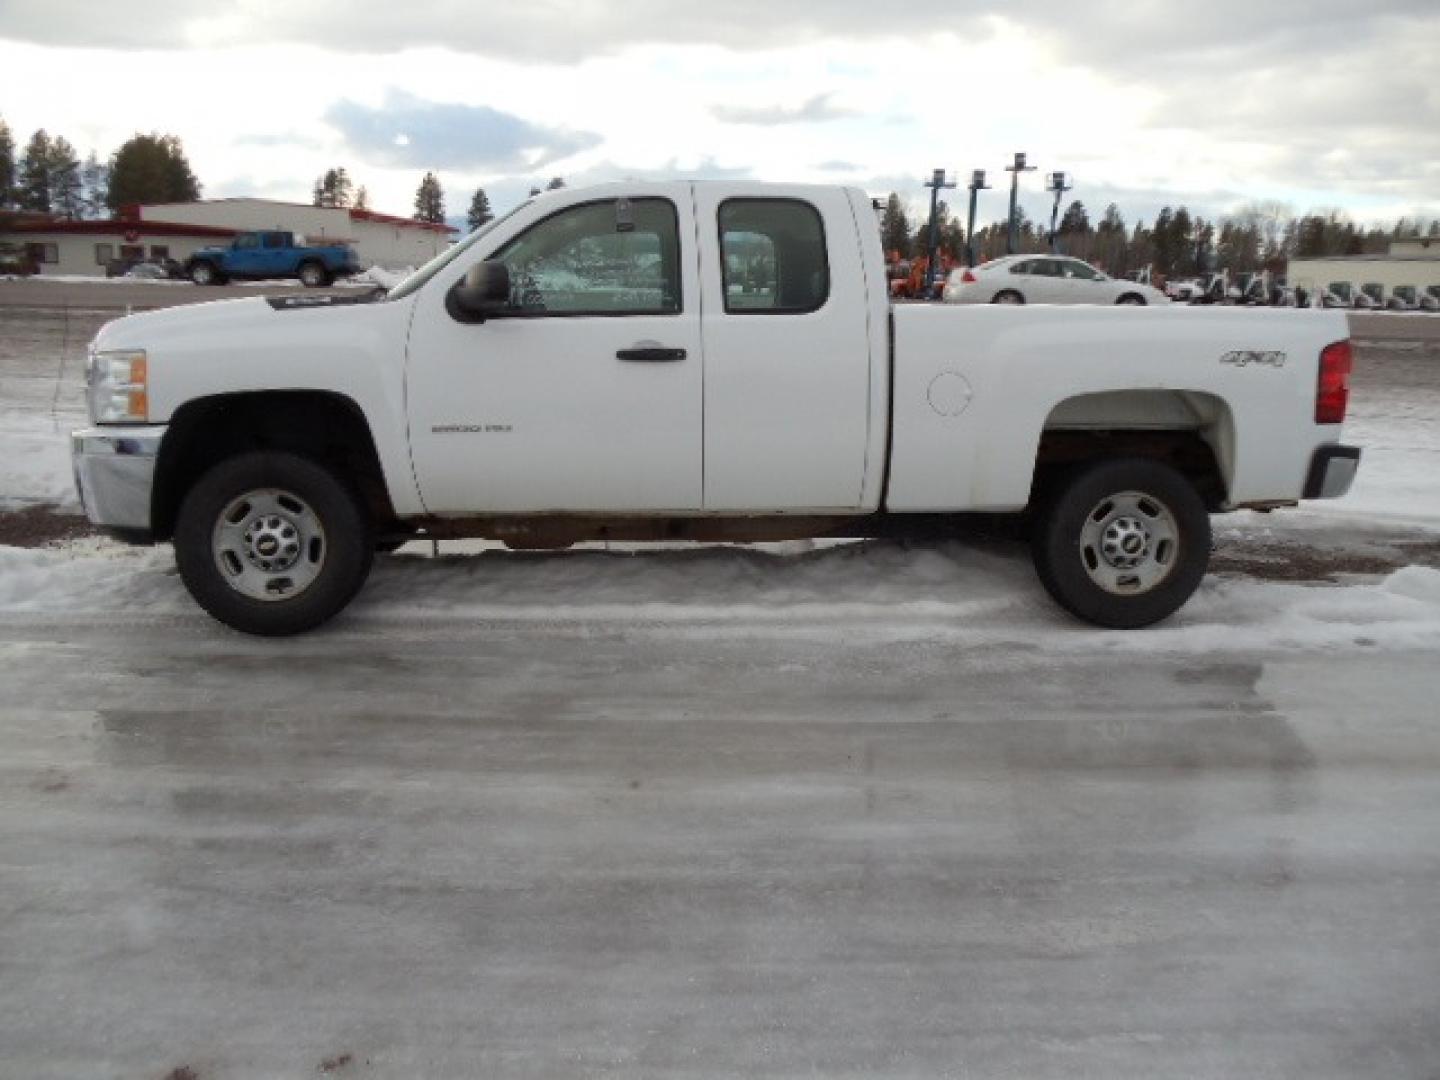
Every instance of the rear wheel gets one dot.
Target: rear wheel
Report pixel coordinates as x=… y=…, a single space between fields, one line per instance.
x=1008 y=296
x=272 y=543
x=313 y=275
x=1132 y=300
x=1123 y=543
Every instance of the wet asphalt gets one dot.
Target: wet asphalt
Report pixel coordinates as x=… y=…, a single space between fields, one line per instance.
x=423 y=848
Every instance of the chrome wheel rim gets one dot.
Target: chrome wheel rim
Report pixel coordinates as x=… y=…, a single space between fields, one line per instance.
x=269 y=545
x=1130 y=543
x=310 y=275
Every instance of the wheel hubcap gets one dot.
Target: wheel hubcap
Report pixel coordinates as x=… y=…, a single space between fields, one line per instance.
x=1130 y=543
x=269 y=545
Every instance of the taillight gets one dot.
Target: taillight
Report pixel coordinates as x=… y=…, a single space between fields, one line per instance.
x=1332 y=394
x=968 y=278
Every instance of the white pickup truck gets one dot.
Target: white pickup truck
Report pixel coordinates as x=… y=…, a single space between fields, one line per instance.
x=701 y=361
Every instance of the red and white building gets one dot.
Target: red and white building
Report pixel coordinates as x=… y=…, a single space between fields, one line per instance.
x=177 y=230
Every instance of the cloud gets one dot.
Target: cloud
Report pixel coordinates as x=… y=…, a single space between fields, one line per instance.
x=814 y=110
x=839 y=166
x=278 y=138
x=407 y=131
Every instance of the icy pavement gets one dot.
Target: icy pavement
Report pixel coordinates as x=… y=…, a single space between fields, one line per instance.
x=656 y=848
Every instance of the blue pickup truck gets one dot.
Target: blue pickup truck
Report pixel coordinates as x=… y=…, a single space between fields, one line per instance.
x=271 y=255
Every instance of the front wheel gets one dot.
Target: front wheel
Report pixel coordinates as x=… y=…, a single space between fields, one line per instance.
x=1131 y=300
x=1123 y=543
x=1008 y=296
x=272 y=543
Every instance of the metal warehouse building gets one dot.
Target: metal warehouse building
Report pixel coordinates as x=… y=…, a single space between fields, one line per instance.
x=178 y=230
x=1409 y=262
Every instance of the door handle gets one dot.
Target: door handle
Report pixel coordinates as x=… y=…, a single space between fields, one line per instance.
x=650 y=354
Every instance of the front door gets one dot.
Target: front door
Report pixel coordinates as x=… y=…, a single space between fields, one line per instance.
x=586 y=395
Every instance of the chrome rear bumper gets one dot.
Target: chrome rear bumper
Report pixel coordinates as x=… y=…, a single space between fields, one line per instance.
x=1332 y=471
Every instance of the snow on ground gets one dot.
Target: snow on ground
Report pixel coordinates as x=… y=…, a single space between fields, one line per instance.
x=35 y=460
x=946 y=593
x=375 y=275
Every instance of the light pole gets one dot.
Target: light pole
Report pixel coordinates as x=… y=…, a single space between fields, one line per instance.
x=1015 y=170
x=1056 y=182
x=977 y=184
x=935 y=183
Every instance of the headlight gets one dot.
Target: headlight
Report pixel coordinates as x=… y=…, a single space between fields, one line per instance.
x=118 y=386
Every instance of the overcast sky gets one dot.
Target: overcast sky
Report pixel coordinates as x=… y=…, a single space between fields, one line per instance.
x=1320 y=103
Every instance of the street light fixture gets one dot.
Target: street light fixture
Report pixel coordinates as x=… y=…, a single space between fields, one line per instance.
x=935 y=183
x=1015 y=170
x=977 y=184
x=1057 y=183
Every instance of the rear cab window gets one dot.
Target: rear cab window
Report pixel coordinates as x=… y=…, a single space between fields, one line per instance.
x=773 y=258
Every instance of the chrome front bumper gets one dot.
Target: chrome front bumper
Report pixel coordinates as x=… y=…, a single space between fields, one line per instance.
x=115 y=472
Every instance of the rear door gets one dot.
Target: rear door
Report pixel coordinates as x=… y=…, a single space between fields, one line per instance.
x=786 y=326
x=276 y=253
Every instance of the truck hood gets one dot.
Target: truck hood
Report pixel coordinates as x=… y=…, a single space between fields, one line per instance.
x=342 y=345
x=224 y=323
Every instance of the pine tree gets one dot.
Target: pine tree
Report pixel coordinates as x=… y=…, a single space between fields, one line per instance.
x=480 y=211
x=430 y=200
x=7 y=166
x=150 y=169
x=95 y=180
x=333 y=189
x=895 y=227
x=1075 y=221
x=34 y=184
x=67 y=192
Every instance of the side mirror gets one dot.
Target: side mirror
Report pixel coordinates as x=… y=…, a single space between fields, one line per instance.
x=483 y=292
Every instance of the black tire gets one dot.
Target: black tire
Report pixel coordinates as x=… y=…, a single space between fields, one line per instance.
x=314 y=275
x=1007 y=296
x=338 y=566
x=205 y=273
x=1073 y=548
x=1131 y=299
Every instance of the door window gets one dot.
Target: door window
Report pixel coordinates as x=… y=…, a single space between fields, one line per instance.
x=1079 y=271
x=772 y=256
x=615 y=257
x=246 y=243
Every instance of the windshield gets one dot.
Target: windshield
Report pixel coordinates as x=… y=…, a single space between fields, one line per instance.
x=409 y=284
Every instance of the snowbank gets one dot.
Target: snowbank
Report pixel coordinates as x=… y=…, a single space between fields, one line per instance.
x=378 y=275
x=35 y=459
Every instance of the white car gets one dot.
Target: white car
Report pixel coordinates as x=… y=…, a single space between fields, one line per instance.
x=1043 y=279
